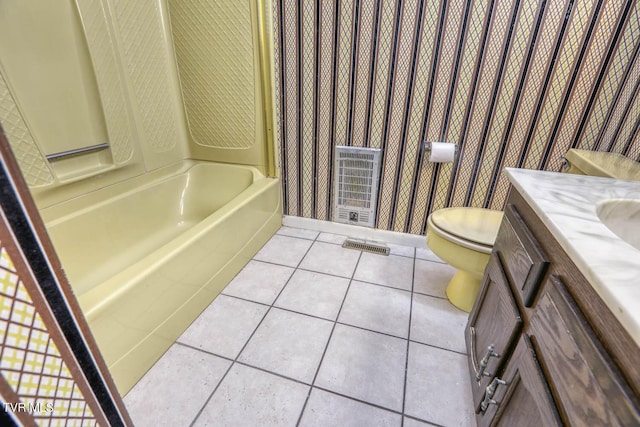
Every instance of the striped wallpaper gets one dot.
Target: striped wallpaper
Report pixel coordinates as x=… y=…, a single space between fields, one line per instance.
x=514 y=83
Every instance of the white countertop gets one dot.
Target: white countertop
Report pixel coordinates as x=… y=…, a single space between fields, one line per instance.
x=566 y=204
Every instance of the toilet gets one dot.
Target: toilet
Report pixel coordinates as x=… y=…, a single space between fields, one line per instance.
x=464 y=237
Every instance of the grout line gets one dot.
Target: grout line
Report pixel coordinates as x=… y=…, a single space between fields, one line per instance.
x=326 y=347
x=247 y=342
x=439 y=348
x=375 y=405
x=341 y=277
x=342 y=323
x=429 y=295
x=245 y=299
x=357 y=238
x=406 y=364
x=431 y=423
x=335 y=323
x=355 y=399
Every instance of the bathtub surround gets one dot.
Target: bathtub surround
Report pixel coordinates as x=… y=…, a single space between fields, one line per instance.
x=151 y=227
x=514 y=84
x=143 y=77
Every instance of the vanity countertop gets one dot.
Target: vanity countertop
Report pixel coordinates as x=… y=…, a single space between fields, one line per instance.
x=566 y=204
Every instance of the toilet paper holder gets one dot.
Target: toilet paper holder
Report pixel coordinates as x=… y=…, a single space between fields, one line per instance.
x=427 y=147
x=441 y=152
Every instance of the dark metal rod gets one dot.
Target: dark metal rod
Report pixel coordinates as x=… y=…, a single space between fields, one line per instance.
x=75 y=151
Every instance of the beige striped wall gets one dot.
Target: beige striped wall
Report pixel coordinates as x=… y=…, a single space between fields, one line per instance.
x=514 y=83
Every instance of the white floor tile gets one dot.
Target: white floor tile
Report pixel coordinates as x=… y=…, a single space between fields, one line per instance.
x=288 y=344
x=432 y=278
x=406 y=251
x=331 y=259
x=175 y=388
x=225 y=326
x=394 y=271
x=438 y=388
x=437 y=322
x=427 y=254
x=259 y=281
x=365 y=360
x=250 y=397
x=378 y=308
x=284 y=250
x=410 y=422
x=297 y=232
x=328 y=409
x=313 y=293
x=331 y=238
x=365 y=365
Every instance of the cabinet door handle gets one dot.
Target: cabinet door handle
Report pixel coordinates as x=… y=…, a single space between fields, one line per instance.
x=485 y=361
x=490 y=391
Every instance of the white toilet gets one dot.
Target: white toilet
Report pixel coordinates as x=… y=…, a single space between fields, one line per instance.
x=464 y=237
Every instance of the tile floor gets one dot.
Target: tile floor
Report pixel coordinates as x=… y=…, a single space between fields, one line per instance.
x=312 y=334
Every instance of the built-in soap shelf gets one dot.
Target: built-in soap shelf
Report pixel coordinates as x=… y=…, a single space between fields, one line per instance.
x=73 y=165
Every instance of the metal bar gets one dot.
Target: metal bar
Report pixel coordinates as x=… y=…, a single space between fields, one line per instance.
x=56 y=156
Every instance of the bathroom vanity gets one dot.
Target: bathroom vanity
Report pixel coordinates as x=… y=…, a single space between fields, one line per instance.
x=554 y=335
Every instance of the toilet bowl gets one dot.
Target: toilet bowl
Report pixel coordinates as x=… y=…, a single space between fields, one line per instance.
x=463 y=237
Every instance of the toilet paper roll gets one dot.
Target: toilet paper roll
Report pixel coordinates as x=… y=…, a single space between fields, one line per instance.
x=442 y=152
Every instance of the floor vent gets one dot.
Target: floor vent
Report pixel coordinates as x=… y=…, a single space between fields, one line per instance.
x=375 y=248
x=356 y=185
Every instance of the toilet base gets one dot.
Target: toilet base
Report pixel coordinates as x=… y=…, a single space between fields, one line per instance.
x=463 y=289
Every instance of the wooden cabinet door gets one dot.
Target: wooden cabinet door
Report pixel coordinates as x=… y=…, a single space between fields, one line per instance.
x=524 y=261
x=588 y=386
x=494 y=322
x=523 y=398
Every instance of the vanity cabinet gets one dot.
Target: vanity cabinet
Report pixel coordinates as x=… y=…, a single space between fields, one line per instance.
x=543 y=347
x=493 y=327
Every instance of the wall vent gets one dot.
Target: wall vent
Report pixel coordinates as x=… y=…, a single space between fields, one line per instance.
x=356 y=185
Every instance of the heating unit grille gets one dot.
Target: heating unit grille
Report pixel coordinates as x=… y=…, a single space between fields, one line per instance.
x=356 y=185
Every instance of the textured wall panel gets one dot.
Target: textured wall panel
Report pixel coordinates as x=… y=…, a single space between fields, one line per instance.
x=514 y=84
x=111 y=87
x=214 y=49
x=147 y=59
x=33 y=164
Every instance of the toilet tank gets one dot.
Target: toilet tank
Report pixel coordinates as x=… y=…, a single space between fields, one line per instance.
x=599 y=163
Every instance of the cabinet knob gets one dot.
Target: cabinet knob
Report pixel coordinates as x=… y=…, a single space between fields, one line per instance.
x=485 y=361
x=490 y=391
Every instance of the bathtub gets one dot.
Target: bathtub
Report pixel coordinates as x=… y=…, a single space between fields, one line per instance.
x=146 y=256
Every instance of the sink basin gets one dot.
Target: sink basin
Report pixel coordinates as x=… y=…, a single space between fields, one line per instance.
x=622 y=217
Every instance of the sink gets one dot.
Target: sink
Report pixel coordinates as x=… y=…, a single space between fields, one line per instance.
x=622 y=217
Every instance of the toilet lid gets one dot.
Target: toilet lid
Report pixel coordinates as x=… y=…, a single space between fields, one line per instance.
x=475 y=224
